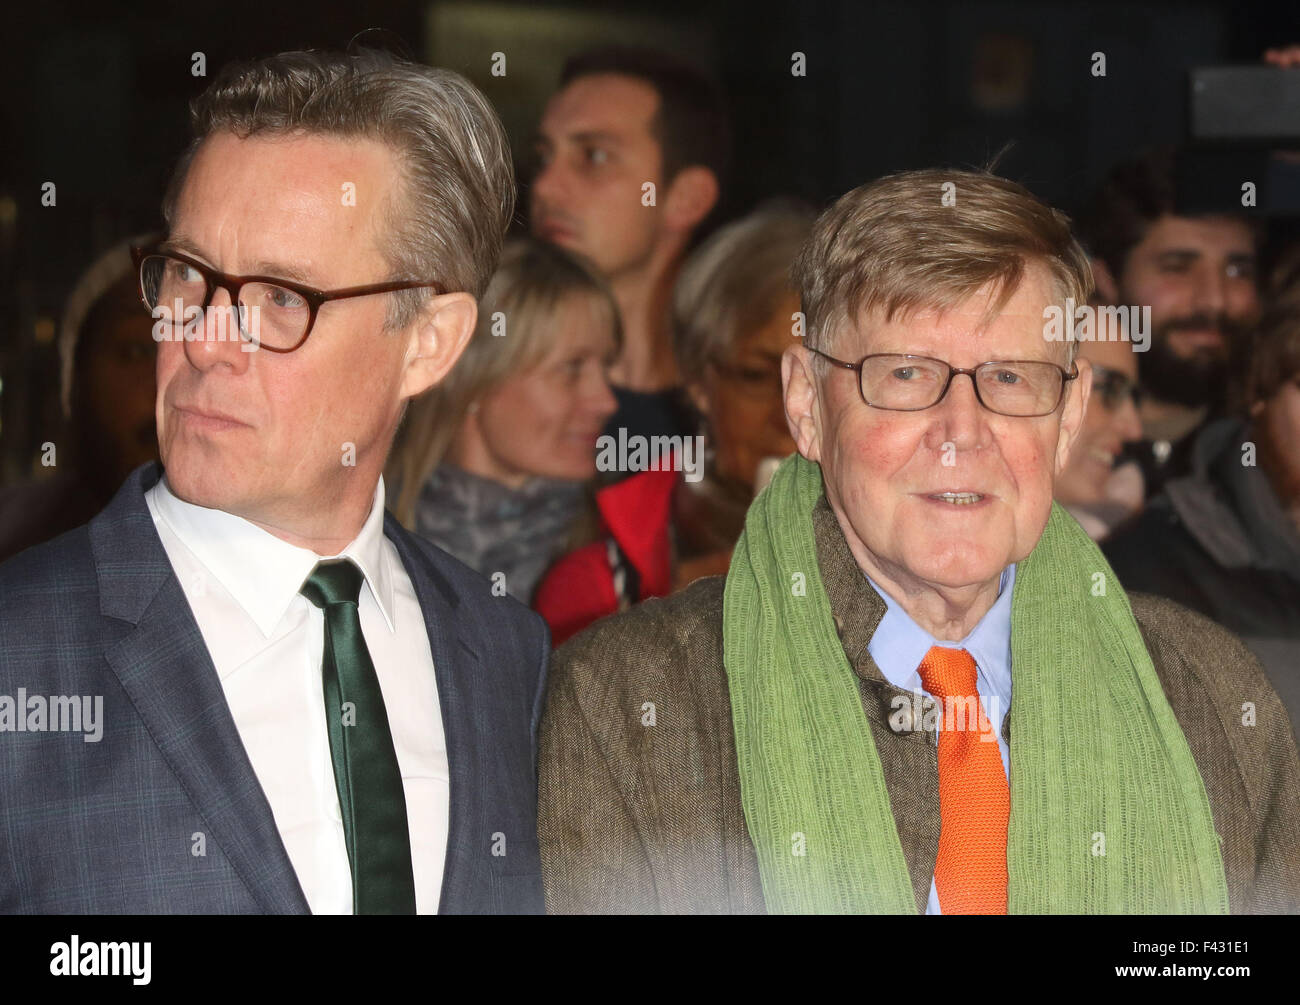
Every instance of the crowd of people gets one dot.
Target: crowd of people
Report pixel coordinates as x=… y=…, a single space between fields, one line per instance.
x=423 y=428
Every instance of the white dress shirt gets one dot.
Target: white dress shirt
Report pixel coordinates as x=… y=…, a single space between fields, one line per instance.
x=267 y=640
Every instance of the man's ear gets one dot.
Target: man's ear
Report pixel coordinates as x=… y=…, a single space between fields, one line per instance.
x=1076 y=407
x=689 y=199
x=799 y=386
x=436 y=340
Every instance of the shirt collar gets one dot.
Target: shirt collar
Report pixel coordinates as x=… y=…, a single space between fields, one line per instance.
x=899 y=643
x=263 y=573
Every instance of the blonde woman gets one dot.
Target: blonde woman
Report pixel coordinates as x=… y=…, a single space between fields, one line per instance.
x=492 y=463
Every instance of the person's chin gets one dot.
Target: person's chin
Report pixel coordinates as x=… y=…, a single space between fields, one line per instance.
x=563 y=237
x=579 y=471
x=565 y=469
x=957 y=572
x=202 y=481
x=956 y=553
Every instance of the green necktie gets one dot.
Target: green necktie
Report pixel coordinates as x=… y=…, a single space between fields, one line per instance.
x=365 y=764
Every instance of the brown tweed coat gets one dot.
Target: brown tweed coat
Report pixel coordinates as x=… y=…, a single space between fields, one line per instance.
x=648 y=818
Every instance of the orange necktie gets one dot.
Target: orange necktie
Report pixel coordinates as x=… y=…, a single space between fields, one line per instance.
x=970 y=873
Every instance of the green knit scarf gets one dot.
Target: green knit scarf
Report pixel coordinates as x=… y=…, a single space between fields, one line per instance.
x=1108 y=811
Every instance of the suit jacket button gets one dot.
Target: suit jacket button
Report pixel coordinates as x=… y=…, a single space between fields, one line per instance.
x=900 y=719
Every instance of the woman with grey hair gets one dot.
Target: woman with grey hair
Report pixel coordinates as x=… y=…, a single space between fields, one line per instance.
x=734 y=313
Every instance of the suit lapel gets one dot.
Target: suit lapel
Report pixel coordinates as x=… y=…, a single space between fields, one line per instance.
x=457 y=668
x=165 y=669
x=855 y=606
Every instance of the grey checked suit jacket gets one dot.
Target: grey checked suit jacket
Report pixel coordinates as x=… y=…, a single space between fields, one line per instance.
x=113 y=826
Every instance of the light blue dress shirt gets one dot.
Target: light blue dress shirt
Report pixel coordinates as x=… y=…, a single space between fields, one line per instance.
x=899 y=644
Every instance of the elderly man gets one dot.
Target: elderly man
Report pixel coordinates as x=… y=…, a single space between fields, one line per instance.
x=919 y=688
x=269 y=697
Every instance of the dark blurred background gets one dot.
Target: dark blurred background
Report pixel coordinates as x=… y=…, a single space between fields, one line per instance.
x=95 y=101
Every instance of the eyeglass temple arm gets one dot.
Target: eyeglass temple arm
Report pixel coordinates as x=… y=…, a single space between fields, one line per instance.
x=837 y=362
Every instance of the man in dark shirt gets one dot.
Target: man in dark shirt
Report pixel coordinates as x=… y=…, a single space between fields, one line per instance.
x=1224 y=539
x=631 y=151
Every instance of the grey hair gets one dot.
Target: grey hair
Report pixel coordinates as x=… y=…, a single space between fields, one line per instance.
x=734 y=281
x=899 y=243
x=449 y=215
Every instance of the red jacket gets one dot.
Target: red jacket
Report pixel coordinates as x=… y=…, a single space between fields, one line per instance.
x=582 y=586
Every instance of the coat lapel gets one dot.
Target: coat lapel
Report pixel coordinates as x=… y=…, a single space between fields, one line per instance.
x=165 y=669
x=457 y=666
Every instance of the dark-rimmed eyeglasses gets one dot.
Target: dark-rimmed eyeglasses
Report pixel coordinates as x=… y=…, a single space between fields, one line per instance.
x=275 y=314
x=905 y=383
x=1114 y=388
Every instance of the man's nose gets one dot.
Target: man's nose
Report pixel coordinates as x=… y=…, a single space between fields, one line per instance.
x=215 y=340
x=548 y=184
x=1127 y=421
x=1211 y=292
x=961 y=419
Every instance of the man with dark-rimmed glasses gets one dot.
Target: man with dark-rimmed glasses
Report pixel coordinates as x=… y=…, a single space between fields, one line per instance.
x=178 y=291
x=305 y=708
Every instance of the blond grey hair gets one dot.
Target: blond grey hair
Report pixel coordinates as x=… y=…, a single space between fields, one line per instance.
x=897 y=245
x=533 y=280
x=734 y=282
x=455 y=193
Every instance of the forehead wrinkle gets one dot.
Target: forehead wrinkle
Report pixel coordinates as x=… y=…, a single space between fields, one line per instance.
x=587 y=104
x=312 y=201
x=282 y=270
x=961 y=321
